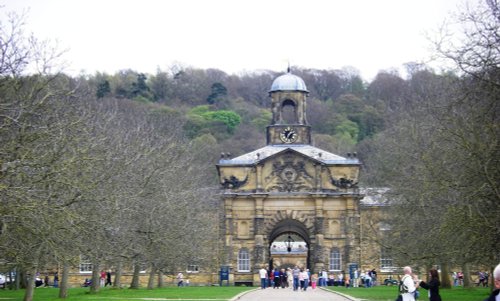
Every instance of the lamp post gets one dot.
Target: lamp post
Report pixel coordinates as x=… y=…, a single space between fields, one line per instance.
x=289 y=242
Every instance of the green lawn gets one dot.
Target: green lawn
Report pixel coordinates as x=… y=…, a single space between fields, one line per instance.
x=389 y=293
x=378 y=293
x=77 y=294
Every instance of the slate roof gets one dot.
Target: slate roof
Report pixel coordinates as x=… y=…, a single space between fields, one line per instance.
x=304 y=149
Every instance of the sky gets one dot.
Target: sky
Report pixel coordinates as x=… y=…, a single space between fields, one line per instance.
x=236 y=36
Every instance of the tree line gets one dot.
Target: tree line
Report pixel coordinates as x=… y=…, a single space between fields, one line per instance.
x=119 y=167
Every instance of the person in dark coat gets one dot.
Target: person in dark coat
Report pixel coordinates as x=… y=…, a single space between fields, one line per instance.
x=495 y=294
x=432 y=285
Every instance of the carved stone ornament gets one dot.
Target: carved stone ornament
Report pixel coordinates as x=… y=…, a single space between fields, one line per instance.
x=289 y=175
x=233 y=182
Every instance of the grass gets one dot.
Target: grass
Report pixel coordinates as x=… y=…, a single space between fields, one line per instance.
x=106 y=294
x=389 y=293
x=377 y=293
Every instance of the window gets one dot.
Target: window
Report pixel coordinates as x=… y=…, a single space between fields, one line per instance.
x=243 y=261
x=385 y=259
x=193 y=268
x=335 y=260
x=85 y=264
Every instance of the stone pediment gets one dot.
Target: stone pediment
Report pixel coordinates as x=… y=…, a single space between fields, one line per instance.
x=288 y=169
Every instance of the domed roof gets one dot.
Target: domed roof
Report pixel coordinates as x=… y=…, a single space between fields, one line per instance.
x=288 y=82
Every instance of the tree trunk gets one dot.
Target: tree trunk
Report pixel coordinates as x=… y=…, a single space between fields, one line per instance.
x=96 y=283
x=160 y=279
x=63 y=284
x=445 y=276
x=151 y=280
x=118 y=275
x=135 y=277
x=466 y=272
x=30 y=286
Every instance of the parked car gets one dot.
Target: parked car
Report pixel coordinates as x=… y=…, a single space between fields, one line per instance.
x=389 y=281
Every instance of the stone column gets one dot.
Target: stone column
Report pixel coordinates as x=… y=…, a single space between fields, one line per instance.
x=258 y=234
x=319 y=231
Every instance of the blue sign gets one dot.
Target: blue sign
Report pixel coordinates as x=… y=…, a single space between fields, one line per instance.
x=224 y=273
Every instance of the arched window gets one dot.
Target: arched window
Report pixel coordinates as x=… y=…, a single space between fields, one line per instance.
x=335 y=260
x=243 y=261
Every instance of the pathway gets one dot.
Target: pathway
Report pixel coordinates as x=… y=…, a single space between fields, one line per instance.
x=289 y=295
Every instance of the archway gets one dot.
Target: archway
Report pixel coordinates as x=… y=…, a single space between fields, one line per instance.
x=289 y=245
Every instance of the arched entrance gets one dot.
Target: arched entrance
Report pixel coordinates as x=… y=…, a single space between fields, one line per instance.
x=289 y=245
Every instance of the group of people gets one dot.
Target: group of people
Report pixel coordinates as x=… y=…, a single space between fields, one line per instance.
x=366 y=279
x=45 y=282
x=410 y=283
x=300 y=279
x=180 y=280
x=281 y=278
x=105 y=278
x=458 y=278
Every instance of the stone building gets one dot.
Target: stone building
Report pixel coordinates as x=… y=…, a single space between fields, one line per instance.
x=290 y=203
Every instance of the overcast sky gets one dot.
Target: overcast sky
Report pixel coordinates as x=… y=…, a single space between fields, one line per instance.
x=236 y=35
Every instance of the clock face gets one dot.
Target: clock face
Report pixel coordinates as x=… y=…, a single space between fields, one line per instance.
x=288 y=135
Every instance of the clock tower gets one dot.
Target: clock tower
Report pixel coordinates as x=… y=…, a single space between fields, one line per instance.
x=288 y=102
x=288 y=203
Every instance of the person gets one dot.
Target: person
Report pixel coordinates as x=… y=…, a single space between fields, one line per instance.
x=325 y=277
x=374 y=277
x=355 y=279
x=460 y=276
x=341 y=278
x=432 y=286
x=87 y=283
x=408 y=285
x=2 y=281
x=108 y=278
x=56 y=280
x=305 y=278
x=263 y=278
x=296 y=276
x=276 y=278
x=180 y=279
x=495 y=294
x=314 y=278
x=481 y=279
x=46 y=280
x=38 y=281
x=367 y=279
x=102 y=278
x=455 y=278
x=289 y=277
x=283 y=278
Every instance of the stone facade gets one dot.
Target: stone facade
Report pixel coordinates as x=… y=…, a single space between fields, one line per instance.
x=289 y=187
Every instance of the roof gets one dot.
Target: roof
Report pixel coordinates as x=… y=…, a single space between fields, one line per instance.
x=305 y=149
x=288 y=82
